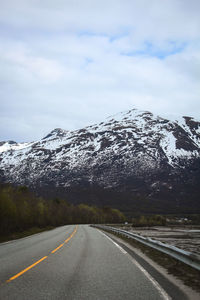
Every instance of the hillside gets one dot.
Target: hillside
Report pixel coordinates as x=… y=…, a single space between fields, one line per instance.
x=134 y=160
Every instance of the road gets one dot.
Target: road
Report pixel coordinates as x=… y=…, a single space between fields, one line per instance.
x=74 y=262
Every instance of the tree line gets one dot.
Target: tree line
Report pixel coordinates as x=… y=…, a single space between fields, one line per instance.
x=21 y=210
x=152 y=220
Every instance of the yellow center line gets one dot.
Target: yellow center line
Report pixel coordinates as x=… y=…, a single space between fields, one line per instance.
x=66 y=241
x=43 y=258
x=57 y=248
x=25 y=270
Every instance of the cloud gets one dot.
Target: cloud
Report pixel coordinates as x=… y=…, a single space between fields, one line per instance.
x=72 y=63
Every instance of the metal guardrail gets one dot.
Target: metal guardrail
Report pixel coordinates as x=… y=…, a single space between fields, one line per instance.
x=186 y=257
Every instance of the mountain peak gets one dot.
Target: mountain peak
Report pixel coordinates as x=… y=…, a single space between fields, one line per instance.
x=57 y=132
x=131 y=114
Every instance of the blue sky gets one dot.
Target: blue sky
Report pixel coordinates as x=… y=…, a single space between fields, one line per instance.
x=73 y=63
x=151 y=50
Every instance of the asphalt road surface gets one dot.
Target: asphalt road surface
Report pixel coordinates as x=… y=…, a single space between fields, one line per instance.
x=75 y=262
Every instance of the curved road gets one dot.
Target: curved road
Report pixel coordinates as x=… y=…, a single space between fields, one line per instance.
x=74 y=262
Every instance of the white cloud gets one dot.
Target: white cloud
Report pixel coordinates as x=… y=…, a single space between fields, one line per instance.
x=71 y=63
x=47 y=70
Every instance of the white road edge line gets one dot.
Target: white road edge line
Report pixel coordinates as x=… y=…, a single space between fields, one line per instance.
x=153 y=281
x=118 y=246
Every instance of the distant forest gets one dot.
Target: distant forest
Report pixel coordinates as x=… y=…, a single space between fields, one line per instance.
x=21 y=210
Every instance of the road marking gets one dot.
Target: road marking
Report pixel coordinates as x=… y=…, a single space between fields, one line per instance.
x=25 y=270
x=118 y=246
x=43 y=258
x=153 y=281
x=66 y=241
x=53 y=251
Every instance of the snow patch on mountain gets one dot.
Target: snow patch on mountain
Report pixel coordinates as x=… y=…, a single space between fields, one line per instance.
x=10 y=145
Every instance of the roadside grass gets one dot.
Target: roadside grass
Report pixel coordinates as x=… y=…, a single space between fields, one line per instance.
x=19 y=235
x=188 y=275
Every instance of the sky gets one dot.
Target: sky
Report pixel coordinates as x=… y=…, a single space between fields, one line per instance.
x=72 y=63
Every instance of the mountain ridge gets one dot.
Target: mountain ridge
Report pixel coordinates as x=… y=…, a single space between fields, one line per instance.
x=134 y=153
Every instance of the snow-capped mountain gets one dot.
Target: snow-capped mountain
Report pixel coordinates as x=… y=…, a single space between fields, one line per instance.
x=134 y=154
